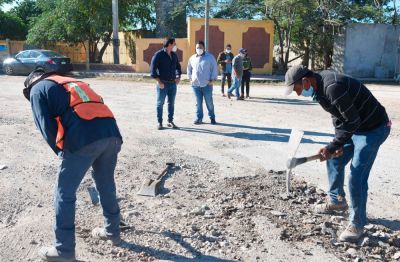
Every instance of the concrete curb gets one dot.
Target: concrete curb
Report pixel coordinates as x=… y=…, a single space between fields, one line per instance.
x=256 y=78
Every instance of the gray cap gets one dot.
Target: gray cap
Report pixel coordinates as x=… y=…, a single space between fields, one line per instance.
x=294 y=74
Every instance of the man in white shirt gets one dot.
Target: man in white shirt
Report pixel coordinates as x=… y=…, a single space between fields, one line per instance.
x=202 y=70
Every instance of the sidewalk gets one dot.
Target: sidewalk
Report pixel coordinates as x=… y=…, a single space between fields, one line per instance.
x=113 y=74
x=262 y=78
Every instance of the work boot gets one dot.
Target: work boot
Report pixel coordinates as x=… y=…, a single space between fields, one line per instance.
x=160 y=126
x=351 y=234
x=52 y=254
x=171 y=124
x=330 y=208
x=213 y=122
x=197 y=122
x=101 y=233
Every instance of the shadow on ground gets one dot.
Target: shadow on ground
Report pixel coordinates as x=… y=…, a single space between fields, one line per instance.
x=273 y=134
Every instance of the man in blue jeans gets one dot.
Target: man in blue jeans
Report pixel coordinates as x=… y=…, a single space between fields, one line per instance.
x=82 y=131
x=237 y=74
x=166 y=69
x=202 y=70
x=361 y=126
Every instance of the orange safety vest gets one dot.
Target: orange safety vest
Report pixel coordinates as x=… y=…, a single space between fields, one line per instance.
x=83 y=100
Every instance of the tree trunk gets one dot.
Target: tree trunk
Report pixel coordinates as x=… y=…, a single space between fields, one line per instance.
x=106 y=43
x=306 y=57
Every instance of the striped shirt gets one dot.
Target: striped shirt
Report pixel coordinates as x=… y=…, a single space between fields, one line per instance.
x=351 y=104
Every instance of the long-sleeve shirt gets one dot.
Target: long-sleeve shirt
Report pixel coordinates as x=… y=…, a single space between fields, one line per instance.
x=352 y=106
x=49 y=100
x=237 y=64
x=202 y=69
x=225 y=67
x=247 y=65
x=165 y=67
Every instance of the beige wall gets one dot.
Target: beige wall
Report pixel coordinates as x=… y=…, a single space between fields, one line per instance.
x=144 y=43
x=233 y=30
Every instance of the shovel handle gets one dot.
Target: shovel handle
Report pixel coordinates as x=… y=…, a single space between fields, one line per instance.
x=164 y=172
x=313 y=157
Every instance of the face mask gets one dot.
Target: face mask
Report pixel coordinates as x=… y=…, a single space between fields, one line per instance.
x=174 y=48
x=227 y=51
x=199 y=51
x=309 y=92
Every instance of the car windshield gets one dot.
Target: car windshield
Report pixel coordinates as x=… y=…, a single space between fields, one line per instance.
x=52 y=54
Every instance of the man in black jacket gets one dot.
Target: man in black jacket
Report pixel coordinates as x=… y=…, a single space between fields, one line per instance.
x=224 y=60
x=361 y=126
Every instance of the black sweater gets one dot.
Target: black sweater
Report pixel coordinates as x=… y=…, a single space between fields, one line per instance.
x=351 y=104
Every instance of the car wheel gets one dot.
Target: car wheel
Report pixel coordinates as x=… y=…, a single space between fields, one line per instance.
x=8 y=70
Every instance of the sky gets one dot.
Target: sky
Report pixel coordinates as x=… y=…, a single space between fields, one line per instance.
x=7 y=7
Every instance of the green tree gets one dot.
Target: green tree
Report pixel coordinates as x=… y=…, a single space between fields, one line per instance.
x=26 y=10
x=78 y=21
x=12 y=27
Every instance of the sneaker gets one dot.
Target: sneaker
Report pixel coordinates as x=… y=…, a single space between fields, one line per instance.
x=213 y=122
x=223 y=94
x=351 y=234
x=160 y=126
x=330 y=208
x=101 y=233
x=247 y=97
x=229 y=95
x=52 y=254
x=240 y=98
x=198 y=122
x=171 y=124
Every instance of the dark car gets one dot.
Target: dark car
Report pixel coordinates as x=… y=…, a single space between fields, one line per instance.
x=28 y=60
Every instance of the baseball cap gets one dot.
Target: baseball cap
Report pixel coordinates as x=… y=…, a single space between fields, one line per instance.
x=242 y=50
x=294 y=74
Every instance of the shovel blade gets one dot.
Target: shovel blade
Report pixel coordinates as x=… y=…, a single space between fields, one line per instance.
x=149 y=188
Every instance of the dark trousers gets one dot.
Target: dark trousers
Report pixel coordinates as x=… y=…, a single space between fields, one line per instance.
x=246 y=81
x=226 y=76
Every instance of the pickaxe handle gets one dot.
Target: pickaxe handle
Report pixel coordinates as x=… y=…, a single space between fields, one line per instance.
x=165 y=171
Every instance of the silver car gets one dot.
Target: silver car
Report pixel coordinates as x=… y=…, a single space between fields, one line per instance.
x=28 y=60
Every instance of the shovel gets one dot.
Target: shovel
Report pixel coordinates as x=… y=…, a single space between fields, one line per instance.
x=151 y=187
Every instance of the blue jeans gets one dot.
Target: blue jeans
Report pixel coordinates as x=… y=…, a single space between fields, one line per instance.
x=206 y=93
x=235 y=86
x=102 y=156
x=362 y=151
x=169 y=91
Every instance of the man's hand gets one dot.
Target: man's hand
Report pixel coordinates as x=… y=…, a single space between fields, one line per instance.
x=228 y=61
x=325 y=155
x=177 y=81
x=161 y=85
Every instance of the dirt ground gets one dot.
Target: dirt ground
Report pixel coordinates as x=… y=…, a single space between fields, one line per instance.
x=224 y=199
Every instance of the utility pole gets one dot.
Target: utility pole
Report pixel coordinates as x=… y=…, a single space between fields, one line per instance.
x=206 y=28
x=115 y=31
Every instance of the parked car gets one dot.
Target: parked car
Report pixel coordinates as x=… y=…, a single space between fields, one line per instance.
x=28 y=60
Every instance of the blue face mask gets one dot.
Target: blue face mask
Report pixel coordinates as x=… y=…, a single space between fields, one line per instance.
x=309 y=92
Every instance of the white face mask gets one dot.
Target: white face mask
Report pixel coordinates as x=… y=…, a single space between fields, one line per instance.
x=227 y=51
x=174 y=48
x=199 y=51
